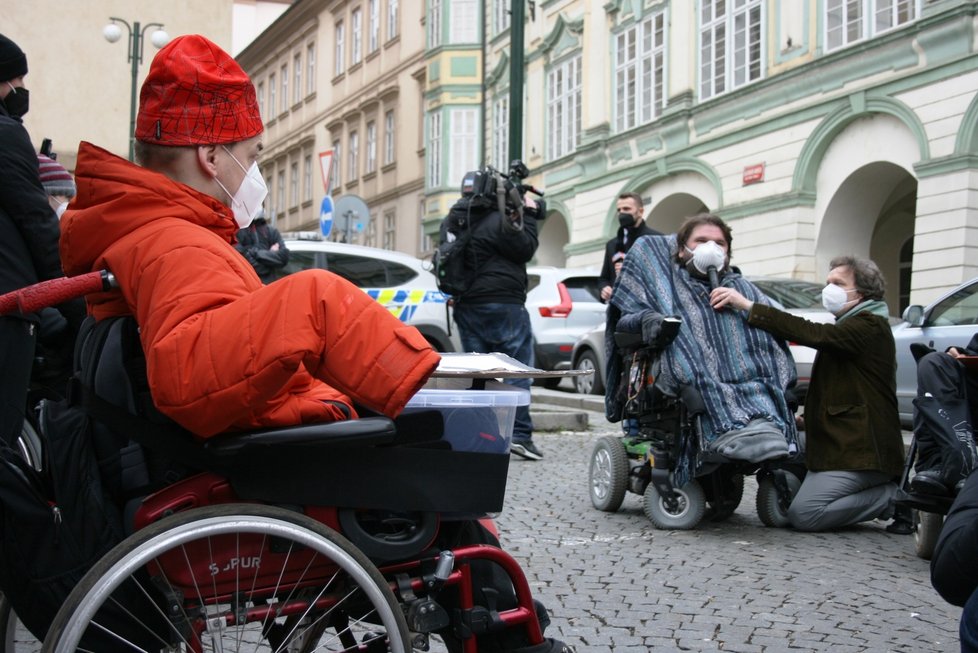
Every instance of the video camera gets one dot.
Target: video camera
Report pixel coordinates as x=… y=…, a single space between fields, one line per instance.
x=491 y=188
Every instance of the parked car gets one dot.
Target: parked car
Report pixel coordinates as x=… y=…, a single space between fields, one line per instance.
x=801 y=298
x=396 y=280
x=563 y=303
x=948 y=322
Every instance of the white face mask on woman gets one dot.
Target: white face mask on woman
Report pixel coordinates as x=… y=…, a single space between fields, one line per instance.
x=246 y=203
x=834 y=298
x=707 y=255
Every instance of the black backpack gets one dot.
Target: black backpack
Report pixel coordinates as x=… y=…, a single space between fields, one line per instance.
x=58 y=522
x=455 y=264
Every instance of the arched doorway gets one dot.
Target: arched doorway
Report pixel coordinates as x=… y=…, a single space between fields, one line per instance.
x=553 y=236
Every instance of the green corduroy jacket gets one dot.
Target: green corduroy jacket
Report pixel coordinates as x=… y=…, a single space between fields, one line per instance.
x=851 y=417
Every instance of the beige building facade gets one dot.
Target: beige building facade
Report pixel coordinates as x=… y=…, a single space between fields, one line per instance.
x=344 y=79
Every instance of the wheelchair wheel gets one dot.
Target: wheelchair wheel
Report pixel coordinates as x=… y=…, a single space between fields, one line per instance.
x=929 y=525
x=608 y=474
x=686 y=515
x=772 y=507
x=231 y=578
x=29 y=445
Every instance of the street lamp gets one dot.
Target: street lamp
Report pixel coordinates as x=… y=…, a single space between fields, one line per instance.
x=112 y=33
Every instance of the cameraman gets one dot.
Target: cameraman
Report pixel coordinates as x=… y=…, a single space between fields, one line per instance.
x=490 y=313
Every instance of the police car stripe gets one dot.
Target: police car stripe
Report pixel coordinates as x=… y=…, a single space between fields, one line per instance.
x=402 y=304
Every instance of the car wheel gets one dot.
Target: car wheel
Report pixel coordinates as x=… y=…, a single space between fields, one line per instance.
x=588 y=384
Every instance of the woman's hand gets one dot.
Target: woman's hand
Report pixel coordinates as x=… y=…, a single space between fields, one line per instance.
x=722 y=297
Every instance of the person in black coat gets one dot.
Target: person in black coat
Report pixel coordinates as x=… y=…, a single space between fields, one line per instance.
x=943 y=417
x=954 y=565
x=28 y=240
x=262 y=245
x=630 y=216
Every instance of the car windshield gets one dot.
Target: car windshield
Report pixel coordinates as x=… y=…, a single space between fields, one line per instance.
x=791 y=293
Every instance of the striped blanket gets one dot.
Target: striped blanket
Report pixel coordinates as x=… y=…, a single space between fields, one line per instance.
x=742 y=372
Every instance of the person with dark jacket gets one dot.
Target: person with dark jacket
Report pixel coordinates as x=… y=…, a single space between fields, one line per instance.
x=28 y=239
x=630 y=212
x=954 y=565
x=262 y=245
x=944 y=418
x=491 y=313
x=854 y=447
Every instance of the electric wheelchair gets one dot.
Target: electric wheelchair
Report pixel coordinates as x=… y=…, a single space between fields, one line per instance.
x=366 y=535
x=664 y=457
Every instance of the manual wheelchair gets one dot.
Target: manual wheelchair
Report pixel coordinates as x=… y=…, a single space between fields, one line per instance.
x=365 y=535
x=664 y=457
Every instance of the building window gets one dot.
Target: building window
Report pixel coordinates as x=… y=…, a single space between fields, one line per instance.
x=464 y=153
x=390 y=231
x=849 y=21
x=356 y=36
x=465 y=21
x=392 y=21
x=307 y=178
x=434 y=24
x=340 y=49
x=373 y=29
x=310 y=68
x=271 y=95
x=354 y=168
x=389 y=137
x=261 y=99
x=280 y=193
x=337 y=172
x=371 y=162
x=500 y=132
x=639 y=69
x=294 y=184
x=730 y=45
x=433 y=150
x=297 y=85
x=370 y=238
x=500 y=16
x=564 y=108
x=285 y=89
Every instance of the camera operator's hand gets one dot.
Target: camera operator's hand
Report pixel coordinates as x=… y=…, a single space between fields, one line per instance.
x=531 y=207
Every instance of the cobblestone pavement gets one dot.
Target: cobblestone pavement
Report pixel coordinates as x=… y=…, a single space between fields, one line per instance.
x=615 y=583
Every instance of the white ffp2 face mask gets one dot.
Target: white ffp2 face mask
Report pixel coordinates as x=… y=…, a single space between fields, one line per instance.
x=834 y=298
x=708 y=255
x=246 y=203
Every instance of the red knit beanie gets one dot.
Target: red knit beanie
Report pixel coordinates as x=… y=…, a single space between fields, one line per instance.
x=55 y=179
x=196 y=94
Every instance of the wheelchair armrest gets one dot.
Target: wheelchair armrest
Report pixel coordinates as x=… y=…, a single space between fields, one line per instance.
x=628 y=340
x=368 y=431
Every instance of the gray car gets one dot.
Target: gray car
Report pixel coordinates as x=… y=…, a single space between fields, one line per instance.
x=950 y=321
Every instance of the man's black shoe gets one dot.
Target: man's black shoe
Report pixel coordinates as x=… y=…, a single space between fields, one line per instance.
x=929 y=481
x=902 y=523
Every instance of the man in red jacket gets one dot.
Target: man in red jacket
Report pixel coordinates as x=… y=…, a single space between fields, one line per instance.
x=224 y=352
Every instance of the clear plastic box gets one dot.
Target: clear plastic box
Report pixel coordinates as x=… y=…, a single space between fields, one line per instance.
x=475 y=420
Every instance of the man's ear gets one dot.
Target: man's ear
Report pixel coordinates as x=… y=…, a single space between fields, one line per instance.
x=207 y=159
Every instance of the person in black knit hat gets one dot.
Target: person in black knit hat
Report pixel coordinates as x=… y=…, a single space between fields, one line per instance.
x=28 y=239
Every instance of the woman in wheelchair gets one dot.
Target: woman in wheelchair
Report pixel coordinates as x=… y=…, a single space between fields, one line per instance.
x=854 y=447
x=738 y=378
x=226 y=355
x=743 y=375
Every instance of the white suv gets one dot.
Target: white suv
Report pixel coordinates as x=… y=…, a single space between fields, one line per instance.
x=563 y=303
x=396 y=280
